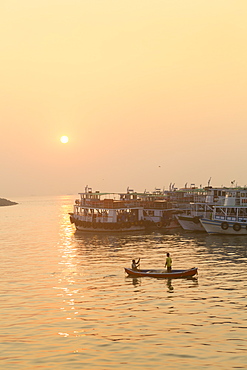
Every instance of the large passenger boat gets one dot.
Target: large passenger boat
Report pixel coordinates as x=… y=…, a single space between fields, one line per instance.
x=118 y=212
x=230 y=218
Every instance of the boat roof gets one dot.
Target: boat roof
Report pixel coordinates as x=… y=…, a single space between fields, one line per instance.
x=124 y=193
x=156 y=193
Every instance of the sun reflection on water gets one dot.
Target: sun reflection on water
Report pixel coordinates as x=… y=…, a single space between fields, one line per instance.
x=99 y=306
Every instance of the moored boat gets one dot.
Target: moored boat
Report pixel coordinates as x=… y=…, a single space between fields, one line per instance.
x=189 y=222
x=230 y=218
x=122 y=212
x=174 y=274
x=201 y=207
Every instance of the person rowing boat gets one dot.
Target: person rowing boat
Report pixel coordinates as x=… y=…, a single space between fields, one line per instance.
x=135 y=264
x=168 y=262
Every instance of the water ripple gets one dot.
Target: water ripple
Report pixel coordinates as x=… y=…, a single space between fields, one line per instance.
x=67 y=303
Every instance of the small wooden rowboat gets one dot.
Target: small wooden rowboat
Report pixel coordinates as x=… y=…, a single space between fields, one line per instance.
x=174 y=274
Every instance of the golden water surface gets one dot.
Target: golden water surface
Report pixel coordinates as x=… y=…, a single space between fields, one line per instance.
x=66 y=302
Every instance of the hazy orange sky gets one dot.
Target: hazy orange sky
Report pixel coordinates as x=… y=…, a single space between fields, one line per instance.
x=148 y=92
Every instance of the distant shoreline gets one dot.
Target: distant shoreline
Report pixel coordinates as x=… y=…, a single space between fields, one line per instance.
x=6 y=202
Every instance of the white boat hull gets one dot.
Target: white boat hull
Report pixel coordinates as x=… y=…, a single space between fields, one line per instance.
x=190 y=223
x=224 y=227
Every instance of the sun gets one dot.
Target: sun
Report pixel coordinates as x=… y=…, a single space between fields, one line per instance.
x=64 y=139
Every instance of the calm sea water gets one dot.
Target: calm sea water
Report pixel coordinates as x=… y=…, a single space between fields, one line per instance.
x=66 y=302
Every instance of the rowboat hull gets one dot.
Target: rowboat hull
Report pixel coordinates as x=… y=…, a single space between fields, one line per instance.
x=174 y=274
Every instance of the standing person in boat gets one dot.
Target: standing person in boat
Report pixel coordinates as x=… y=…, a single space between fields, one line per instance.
x=135 y=264
x=168 y=262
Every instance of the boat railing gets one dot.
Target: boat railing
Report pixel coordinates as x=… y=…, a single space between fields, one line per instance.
x=227 y=218
x=156 y=205
x=108 y=204
x=120 y=204
x=230 y=218
x=241 y=219
x=92 y=218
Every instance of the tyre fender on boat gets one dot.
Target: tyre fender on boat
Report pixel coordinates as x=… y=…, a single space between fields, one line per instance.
x=224 y=225
x=196 y=220
x=237 y=227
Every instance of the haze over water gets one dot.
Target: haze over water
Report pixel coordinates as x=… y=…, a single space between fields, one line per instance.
x=66 y=302
x=148 y=92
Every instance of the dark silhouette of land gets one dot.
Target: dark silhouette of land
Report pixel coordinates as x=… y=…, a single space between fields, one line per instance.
x=6 y=202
